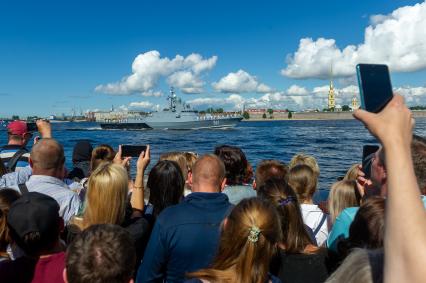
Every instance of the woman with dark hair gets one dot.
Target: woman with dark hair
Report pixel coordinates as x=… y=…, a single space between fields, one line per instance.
x=166 y=185
x=298 y=259
x=238 y=173
x=248 y=240
x=368 y=228
x=7 y=197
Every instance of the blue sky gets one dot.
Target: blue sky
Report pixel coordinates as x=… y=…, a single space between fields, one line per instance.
x=60 y=55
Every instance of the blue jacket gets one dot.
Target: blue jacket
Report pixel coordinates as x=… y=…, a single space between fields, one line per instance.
x=185 y=238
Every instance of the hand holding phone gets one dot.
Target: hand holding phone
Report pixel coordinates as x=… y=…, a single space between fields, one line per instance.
x=128 y=150
x=375 y=86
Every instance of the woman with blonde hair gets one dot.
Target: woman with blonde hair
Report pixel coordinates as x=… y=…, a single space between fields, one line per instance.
x=352 y=173
x=343 y=194
x=248 y=241
x=185 y=160
x=107 y=200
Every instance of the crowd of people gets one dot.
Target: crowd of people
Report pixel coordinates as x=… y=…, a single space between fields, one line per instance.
x=211 y=218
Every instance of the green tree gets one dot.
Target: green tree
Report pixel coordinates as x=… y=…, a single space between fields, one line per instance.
x=346 y=108
x=290 y=115
x=246 y=115
x=270 y=111
x=264 y=116
x=219 y=110
x=15 y=117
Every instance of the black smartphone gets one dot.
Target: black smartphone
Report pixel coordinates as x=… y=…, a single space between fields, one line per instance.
x=31 y=127
x=368 y=152
x=375 y=86
x=132 y=150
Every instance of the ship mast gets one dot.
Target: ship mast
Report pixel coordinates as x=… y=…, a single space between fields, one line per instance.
x=172 y=98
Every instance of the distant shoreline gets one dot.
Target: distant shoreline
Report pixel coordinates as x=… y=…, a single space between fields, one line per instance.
x=313 y=116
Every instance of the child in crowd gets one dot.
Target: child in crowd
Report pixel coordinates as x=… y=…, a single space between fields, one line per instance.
x=248 y=240
x=304 y=182
x=298 y=259
x=342 y=194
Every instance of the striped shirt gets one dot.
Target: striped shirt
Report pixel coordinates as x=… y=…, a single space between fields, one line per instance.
x=68 y=200
x=7 y=152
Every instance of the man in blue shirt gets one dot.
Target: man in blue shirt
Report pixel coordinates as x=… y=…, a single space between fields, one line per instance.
x=185 y=236
x=18 y=137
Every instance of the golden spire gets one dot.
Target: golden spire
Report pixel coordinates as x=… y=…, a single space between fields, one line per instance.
x=331 y=98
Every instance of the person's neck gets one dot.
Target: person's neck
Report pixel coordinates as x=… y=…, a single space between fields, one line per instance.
x=204 y=189
x=57 y=248
x=15 y=142
x=308 y=201
x=48 y=173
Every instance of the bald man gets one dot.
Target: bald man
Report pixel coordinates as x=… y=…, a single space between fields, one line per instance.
x=47 y=163
x=186 y=235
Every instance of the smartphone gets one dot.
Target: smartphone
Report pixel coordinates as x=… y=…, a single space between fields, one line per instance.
x=132 y=150
x=31 y=127
x=375 y=86
x=368 y=152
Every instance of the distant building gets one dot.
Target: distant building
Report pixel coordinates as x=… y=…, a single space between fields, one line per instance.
x=354 y=103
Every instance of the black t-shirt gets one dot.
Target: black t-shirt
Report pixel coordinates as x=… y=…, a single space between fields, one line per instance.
x=301 y=268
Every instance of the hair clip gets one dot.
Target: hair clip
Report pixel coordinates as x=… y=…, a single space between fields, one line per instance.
x=253 y=234
x=286 y=201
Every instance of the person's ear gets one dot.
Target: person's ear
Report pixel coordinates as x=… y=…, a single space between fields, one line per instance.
x=31 y=162
x=254 y=185
x=222 y=186
x=132 y=281
x=64 y=275
x=190 y=179
x=225 y=223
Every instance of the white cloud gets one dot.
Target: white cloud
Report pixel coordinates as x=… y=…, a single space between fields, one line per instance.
x=413 y=95
x=187 y=81
x=141 y=105
x=153 y=93
x=297 y=90
x=149 y=67
x=397 y=39
x=240 y=82
x=234 y=101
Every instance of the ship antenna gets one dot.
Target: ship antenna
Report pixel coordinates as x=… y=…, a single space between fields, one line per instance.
x=172 y=98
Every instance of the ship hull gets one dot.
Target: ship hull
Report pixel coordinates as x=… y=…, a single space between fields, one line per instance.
x=124 y=126
x=192 y=125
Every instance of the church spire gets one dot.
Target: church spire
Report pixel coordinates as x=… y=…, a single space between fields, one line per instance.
x=331 y=94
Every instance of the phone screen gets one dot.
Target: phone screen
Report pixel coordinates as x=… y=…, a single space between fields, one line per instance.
x=367 y=158
x=132 y=150
x=374 y=86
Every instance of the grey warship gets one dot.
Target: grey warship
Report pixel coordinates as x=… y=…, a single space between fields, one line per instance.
x=179 y=116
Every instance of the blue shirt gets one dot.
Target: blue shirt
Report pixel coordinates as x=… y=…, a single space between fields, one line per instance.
x=68 y=200
x=185 y=238
x=342 y=224
x=236 y=193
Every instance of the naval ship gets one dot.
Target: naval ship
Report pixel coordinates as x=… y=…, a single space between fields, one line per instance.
x=178 y=116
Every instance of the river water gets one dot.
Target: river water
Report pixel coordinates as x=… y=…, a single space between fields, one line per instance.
x=336 y=144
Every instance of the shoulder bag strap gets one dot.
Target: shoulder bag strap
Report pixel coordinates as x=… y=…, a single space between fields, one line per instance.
x=324 y=217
